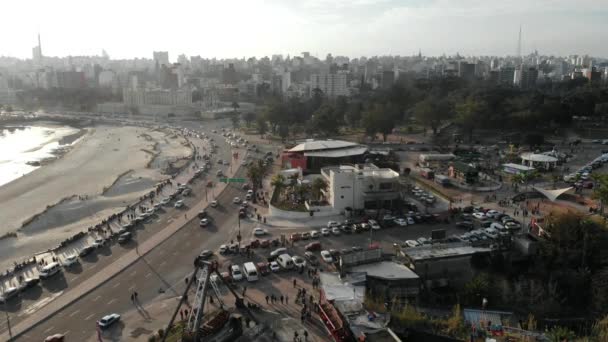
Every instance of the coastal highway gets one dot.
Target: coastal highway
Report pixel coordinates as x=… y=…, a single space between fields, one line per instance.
x=165 y=267
x=37 y=297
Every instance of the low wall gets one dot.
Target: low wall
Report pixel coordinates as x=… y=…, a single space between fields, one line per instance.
x=286 y=214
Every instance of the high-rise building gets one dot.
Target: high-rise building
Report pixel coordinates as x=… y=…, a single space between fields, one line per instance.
x=332 y=85
x=466 y=70
x=37 y=53
x=506 y=75
x=387 y=79
x=161 y=57
x=70 y=79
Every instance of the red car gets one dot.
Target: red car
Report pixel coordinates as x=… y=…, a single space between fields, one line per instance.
x=296 y=237
x=313 y=246
x=263 y=268
x=265 y=243
x=254 y=243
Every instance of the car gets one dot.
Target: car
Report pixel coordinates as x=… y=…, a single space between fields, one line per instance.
x=277 y=252
x=312 y=259
x=233 y=248
x=99 y=243
x=313 y=246
x=491 y=232
x=125 y=237
x=206 y=254
x=202 y=214
x=401 y=222
x=374 y=225
x=512 y=225
x=55 y=338
x=479 y=215
x=410 y=220
x=236 y=200
x=326 y=256
x=149 y=212
x=204 y=222
x=29 y=282
x=295 y=237
x=245 y=205
x=165 y=201
x=335 y=231
x=86 y=251
x=157 y=206
x=248 y=197
x=326 y=232
x=332 y=224
x=223 y=249
x=70 y=260
x=259 y=232
x=305 y=236
x=242 y=213
x=298 y=261
x=108 y=320
x=492 y=213
x=364 y=226
x=213 y=204
x=465 y=224
x=356 y=249
x=274 y=266
x=506 y=219
x=179 y=204
x=315 y=234
x=235 y=272
x=263 y=268
x=335 y=253
x=424 y=241
x=412 y=243
x=8 y=294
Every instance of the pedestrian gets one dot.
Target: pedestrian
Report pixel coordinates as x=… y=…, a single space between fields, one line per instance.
x=244 y=290
x=181 y=315
x=267 y=298
x=294 y=283
x=281 y=299
x=304 y=292
x=132 y=297
x=186 y=280
x=305 y=335
x=135 y=295
x=286 y=299
x=311 y=299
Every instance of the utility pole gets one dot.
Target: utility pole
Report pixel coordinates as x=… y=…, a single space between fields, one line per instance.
x=8 y=324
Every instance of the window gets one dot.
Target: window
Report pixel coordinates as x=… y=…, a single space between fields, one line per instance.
x=342 y=197
x=386 y=186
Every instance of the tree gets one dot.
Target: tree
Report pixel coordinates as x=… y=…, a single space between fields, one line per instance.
x=561 y=334
x=256 y=172
x=261 y=124
x=468 y=114
x=249 y=117
x=284 y=131
x=431 y=112
x=379 y=119
x=326 y=120
x=353 y=114
x=235 y=121
x=318 y=186
x=278 y=182
x=600 y=190
x=235 y=106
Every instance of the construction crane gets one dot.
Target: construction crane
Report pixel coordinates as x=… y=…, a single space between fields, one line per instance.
x=202 y=278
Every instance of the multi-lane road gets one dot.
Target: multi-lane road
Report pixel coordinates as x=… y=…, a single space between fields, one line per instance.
x=158 y=271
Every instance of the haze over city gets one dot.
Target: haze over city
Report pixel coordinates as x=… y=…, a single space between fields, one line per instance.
x=244 y=28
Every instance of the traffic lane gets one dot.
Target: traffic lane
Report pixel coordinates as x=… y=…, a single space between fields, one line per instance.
x=34 y=298
x=163 y=268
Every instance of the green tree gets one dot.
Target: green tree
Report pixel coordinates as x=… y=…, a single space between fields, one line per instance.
x=284 y=131
x=431 y=112
x=318 y=186
x=326 y=120
x=468 y=114
x=561 y=334
x=278 y=182
x=600 y=190
x=235 y=121
x=256 y=172
x=353 y=114
x=379 y=119
x=261 y=125
x=249 y=117
x=235 y=106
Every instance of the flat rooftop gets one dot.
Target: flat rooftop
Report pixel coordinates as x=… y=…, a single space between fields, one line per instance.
x=385 y=270
x=438 y=251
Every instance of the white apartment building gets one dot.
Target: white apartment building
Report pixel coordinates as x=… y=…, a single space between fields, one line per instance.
x=332 y=85
x=360 y=186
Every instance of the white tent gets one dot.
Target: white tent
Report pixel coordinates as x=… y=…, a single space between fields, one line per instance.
x=552 y=195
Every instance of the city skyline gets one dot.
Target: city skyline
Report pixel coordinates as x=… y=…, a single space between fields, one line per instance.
x=351 y=28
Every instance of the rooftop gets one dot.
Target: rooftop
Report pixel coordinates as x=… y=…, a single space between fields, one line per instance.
x=367 y=170
x=437 y=251
x=316 y=145
x=386 y=270
x=539 y=158
x=337 y=153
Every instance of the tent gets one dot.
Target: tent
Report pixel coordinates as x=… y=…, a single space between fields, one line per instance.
x=552 y=195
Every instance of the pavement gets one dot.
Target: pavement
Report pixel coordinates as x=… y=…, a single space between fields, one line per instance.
x=60 y=300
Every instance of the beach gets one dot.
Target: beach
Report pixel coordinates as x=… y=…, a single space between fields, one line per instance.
x=106 y=169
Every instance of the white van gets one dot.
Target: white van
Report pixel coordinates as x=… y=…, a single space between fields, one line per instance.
x=49 y=270
x=251 y=272
x=285 y=261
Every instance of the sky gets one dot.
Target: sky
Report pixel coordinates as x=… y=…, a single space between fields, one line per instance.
x=245 y=28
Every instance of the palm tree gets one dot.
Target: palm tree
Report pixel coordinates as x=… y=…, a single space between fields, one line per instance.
x=256 y=173
x=278 y=182
x=235 y=105
x=318 y=185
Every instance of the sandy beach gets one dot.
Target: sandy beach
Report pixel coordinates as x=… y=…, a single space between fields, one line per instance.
x=110 y=167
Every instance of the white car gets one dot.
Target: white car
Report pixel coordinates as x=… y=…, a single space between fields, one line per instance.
x=213 y=203
x=326 y=256
x=374 y=224
x=298 y=261
x=259 y=232
x=108 y=320
x=223 y=249
x=179 y=204
x=492 y=214
x=99 y=242
x=335 y=231
x=235 y=271
x=204 y=222
x=236 y=200
x=410 y=220
x=70 y=260
x=479 y=215
x=412 y=243
x=165 y=201
x=250 y=192
x=325 y=232
x=314 y=234
x=401 y=222
x=274 y=266
x=332 y=224
x=491 y=232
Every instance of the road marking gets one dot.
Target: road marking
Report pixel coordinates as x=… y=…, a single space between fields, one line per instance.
x=93 y=266
x=96 y=298
x=49 y=329
x=111 y=301
x=133 y=273
x=74 y=313
x=74 y=279
x=34 y=307
x=148 y=275
x=89 y=317
x=115 y=285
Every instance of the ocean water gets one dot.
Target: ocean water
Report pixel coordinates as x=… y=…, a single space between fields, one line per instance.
x=20 y=145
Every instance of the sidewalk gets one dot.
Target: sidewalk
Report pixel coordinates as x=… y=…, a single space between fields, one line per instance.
x=110 y=271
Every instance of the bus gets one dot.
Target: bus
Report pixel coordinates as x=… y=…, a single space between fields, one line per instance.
x=251 y=272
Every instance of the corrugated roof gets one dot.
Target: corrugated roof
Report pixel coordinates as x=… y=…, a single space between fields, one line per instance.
x=312 y=145
x=386 y=270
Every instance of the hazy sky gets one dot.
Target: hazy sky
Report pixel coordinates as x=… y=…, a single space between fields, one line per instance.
x=243 y=28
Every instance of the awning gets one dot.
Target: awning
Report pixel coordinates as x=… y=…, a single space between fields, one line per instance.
x=552 y=195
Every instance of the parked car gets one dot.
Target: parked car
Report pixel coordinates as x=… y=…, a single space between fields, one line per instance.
x=313 y=246
x=204 y=222
x=412 y=243
x=374 y=224
x=274 y=266
x=125 y=237
x=326 y=231
x=326 y=256
x=70 y=260
x=213 y=204
x=312 y=259
x=8 y=294
x=223 y=249
x=206 y=254
x=298 y=261
x=400 y=222
x=315 y=234
x=259 y=232
x=202 y=214
x=263 y=268
x=86 y=251
x=465 y=224
x=179 y=204
x=335 y=231
x=305 y=236
x=332 y=224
